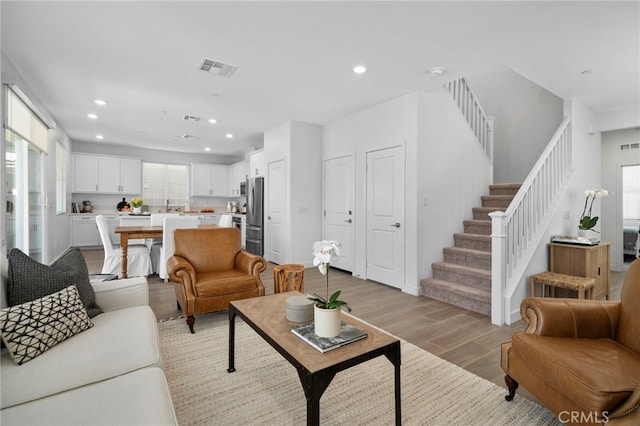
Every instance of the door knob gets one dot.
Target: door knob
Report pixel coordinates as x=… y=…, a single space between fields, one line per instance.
x=348 y=221
x=396 y=225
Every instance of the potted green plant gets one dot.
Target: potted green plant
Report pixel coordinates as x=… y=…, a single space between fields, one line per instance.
x=137 y=203
x=327 y=309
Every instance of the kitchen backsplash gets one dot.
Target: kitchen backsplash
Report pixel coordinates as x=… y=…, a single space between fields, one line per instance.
x=108 y=203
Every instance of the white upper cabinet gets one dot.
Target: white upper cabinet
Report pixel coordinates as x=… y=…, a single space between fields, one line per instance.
x=85 y=169
x=107 y=174
x=208 y=180
x=256 y=164
x=236 y=174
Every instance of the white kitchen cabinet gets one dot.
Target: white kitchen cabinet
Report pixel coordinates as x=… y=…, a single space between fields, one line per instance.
x=210 y=219
x=85 y=173
x=107 y=174
x=208 y=180
x=84 y=231
x=237 y=173
x=256 y=164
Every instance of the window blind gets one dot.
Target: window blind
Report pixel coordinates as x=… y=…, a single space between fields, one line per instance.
x=631 y=192
x=24 y=122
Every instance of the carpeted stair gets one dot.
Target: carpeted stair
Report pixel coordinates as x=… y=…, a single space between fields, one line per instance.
x=464 y=277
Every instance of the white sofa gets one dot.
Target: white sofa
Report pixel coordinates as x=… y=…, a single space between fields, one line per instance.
x=110 y=374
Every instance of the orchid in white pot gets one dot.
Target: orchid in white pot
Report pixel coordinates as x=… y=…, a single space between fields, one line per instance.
x=587 y=222
x=327 y=309
x=324 y=253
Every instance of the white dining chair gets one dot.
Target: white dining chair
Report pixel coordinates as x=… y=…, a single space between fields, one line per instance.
x=169 y=225
x=226 y=221
x=155 y=244
x=138 y=260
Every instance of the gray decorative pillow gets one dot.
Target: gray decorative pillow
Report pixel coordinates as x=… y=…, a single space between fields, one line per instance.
x=29 y=280
x=31 y=328
x=72 y=262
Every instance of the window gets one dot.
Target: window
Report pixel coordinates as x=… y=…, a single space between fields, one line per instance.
x=631 y=192
x=164 y=184
x=61 y=178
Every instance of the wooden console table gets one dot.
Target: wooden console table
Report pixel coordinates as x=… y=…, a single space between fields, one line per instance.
x=583 y=261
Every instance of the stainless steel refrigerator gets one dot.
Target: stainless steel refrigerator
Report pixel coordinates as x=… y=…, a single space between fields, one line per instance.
x=255 y=216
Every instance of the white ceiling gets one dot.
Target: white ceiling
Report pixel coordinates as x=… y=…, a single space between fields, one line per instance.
x=295 y=60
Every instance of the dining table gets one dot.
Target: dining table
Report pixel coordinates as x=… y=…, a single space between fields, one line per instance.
x=139 y=232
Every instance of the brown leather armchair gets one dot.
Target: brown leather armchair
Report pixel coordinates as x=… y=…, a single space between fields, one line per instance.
x=580 y=358
x=210 y=269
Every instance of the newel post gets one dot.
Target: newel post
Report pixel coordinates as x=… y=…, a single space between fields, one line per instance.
x=490 y=132
x=498 y=266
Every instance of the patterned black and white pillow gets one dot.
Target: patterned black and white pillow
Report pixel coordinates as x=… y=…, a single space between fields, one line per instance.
x=31 y=328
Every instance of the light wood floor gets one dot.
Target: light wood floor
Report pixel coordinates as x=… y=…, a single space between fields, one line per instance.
x=462 y=337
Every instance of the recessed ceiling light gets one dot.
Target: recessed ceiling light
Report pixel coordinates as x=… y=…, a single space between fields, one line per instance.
x=99 y=137
x=207 y=149
x=92 y=116
x=359 y=69
x=229 y=136
x=100 y=102
x=213 y=121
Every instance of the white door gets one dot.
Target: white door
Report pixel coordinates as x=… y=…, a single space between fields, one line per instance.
x=275 y=212
x=385 y=216
x=339 y=190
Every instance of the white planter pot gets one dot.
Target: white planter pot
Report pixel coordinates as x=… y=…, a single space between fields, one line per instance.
x=137 y=210
x=326 y=321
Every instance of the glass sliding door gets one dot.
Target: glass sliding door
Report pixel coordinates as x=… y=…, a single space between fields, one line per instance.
x=23 y=177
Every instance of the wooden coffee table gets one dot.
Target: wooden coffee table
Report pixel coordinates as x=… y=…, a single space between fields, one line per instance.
x=266 y=315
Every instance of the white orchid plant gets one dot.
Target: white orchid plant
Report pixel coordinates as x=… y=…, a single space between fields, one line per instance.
x=325 y=252
x=587 y=222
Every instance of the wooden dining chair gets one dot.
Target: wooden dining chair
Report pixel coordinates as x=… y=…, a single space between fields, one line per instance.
x=170 y=224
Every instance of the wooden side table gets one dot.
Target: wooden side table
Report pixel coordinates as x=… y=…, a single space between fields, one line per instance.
x=583 y=261
x=288 y=277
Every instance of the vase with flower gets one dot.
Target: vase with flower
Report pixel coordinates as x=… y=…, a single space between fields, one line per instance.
x=587 y=221
x=327 y=309
x=137 y=203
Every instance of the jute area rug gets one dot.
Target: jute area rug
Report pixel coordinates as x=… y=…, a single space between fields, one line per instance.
x=265 y=389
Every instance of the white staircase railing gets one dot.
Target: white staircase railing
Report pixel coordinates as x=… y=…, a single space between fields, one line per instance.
x=517 y=231
x=480 y=123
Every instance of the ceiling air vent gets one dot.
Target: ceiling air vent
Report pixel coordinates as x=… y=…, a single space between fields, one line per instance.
x=187 y=136
x=628 y=146
x=218 y=68
x=191 y=118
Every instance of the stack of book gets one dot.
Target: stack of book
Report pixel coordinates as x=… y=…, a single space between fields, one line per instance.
x=348 y=334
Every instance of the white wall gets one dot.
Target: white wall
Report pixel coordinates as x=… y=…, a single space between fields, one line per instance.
x=526 y=115
x=300 y=146
x=392 y=123
x=587 y=175
x=453 y=175
x=622 y=118
x=613 y=158
x=305 y=171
